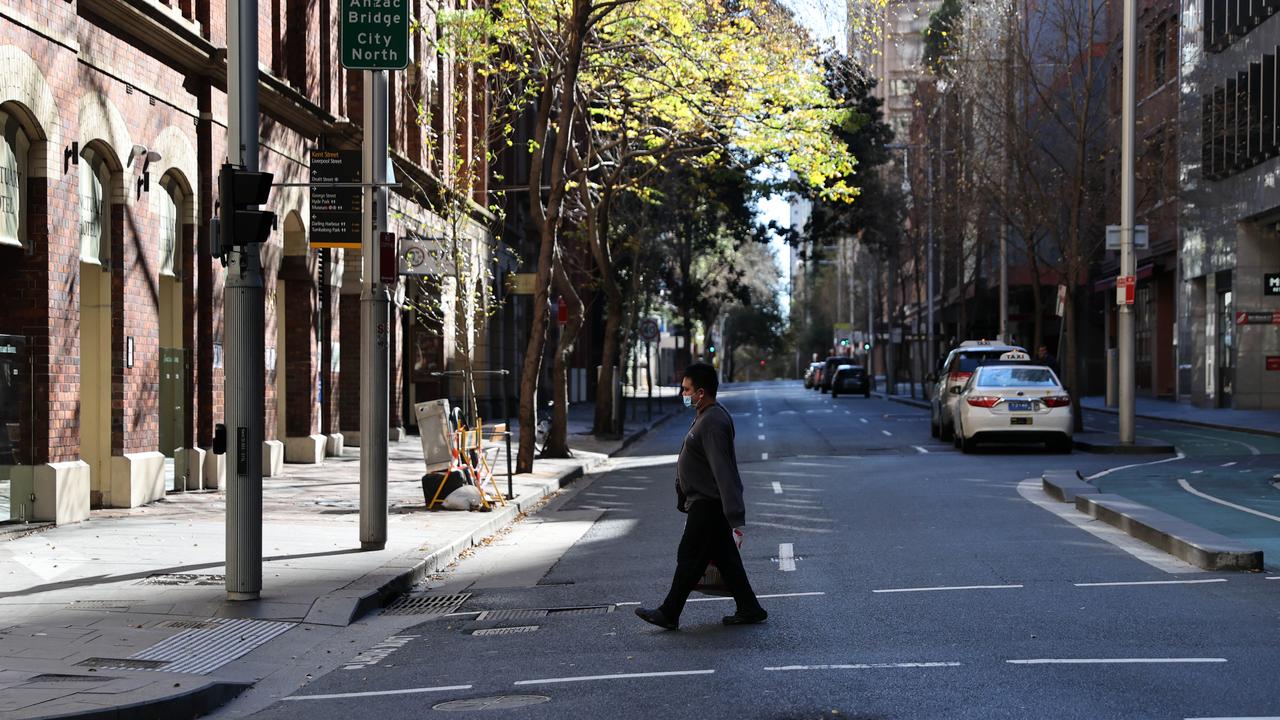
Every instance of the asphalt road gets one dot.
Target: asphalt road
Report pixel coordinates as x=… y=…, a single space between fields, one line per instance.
x=903 y=580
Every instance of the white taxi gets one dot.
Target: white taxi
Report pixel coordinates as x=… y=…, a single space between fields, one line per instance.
x=1013 y=403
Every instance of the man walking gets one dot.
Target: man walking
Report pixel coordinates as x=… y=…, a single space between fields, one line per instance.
x=709 y=490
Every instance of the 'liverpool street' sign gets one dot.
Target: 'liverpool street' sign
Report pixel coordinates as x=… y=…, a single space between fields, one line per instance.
x=335 y=211
x=375 y=34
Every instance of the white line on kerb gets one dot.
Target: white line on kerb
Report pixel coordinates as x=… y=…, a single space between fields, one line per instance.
x=372 y=693
x=786 y=558
x=1108 y=471
x=957 y=587
x=618 y=676
x=920 y=450
x=1151 y=582
x=863 y=666
x=886 y=432
x=1187 y=486
x=777 y=488
x=1109 y=661
x=764 y=456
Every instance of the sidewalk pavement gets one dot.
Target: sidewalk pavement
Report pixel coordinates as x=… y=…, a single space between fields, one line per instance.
x=1262 y=422
x=125 y=616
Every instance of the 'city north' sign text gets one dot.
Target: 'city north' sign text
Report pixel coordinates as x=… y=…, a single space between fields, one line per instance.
x=375 y=34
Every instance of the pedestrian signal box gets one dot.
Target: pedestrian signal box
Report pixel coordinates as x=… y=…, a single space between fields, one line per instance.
x=240 y=193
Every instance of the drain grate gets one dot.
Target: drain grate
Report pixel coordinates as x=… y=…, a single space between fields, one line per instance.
x=426 y=604
x=122 y=663
x=543 y=612
x=59 y=678
x=513 y=630
x=499 y=702
x=189 y=624
x=97 y=605
x=188 y=579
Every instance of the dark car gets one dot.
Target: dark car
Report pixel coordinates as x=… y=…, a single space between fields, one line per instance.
x=829 y=371
x=851 y=380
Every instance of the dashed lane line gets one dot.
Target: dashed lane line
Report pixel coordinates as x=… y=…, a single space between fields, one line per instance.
x=862 y=666
x=758 y=597
x=920 y=450
x=1228 y=464
x=1152 y=582
x=886 y=432
x=764 y=456
x=1112 y=661
x=786 y=558
x=1187 y=486
x=375 y=693
x=616 y=676
x=954 y=587
x=760 y=437
x=862 y=419
x=777 y=488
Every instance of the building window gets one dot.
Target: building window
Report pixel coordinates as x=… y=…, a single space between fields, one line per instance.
x=95 y=214
x=14 y=154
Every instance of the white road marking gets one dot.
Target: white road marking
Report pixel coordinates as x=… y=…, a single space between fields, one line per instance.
x=954 y=587
x=786 y=558
x=760 y=424
x=1252 y=450
x=1251 y=717
x=761 y=437
x=777 y=488
x=1228 y=464
x=1196 y=472
x=1187 y=486
x=1151 y=582
x=1108 y=471
x=1274 y=578
x=811 y=464
x=617 y=676
x=372 y=693
x=1110 y=661
x=886 y=432
x=621 y=487
x=764 y=456
x=1032 y=490
x=920 y=450
x=758 y=597
x=862 y=666
x=862 y=419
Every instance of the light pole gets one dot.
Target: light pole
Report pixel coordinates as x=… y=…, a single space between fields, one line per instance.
x=1124 y=325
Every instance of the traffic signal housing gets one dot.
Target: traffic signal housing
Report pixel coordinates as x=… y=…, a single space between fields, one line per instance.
x=240 y=192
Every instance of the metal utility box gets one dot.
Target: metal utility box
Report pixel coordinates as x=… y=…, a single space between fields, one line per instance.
x=435 y=429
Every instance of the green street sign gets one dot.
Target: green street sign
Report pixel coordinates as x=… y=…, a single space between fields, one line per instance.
x=375 y=34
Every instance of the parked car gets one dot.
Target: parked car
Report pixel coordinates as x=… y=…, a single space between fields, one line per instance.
x=1013 y=403
x=851 y=379
x=810 y=373
x=829 y=371
x=952 y=375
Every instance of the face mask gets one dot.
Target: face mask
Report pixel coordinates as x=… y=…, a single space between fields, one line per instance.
x=688 y=401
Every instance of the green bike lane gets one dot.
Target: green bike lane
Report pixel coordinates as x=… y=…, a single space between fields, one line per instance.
x=1227 y=481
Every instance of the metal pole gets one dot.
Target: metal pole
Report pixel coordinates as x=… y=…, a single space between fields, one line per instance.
x=506 y=410
x=373 y=322
x=890 y=351
x=928 y=269
x=1124 y=328
x=244 y=305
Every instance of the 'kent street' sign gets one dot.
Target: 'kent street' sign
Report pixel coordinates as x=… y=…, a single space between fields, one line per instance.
x=375 y=34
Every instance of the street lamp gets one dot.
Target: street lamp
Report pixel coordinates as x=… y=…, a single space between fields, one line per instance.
x=1124 y=329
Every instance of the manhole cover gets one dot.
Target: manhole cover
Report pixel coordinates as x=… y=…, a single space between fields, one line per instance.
x=498 y=702
x=426 y=604
x=514 y=630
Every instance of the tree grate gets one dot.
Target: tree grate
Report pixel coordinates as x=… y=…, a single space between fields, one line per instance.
x=426 y=604
x=512 y=630
x=183 y=579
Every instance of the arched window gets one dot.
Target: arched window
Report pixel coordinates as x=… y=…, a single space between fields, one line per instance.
x=14 y=151
x=170 y=203
x=95 y=204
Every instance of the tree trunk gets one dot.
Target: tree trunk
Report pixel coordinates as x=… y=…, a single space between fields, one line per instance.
x=558 y=439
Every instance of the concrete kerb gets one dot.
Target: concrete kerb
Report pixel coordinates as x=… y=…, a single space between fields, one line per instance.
x=1200 y=547
x=922 y=404
x=194 y=702
x=1065 y=485
x=1190 y=423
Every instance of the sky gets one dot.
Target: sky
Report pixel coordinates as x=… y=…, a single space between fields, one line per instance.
x=826 y=20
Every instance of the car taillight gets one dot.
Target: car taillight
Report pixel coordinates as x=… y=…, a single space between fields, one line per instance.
x=958 y=378
x=985 y=401
x=1056 y=401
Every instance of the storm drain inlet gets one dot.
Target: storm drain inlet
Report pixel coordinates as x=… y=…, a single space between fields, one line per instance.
x=426 y=604
x=543 y=612
x=513 y=630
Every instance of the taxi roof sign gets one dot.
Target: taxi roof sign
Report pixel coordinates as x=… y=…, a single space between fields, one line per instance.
x=1015 y=355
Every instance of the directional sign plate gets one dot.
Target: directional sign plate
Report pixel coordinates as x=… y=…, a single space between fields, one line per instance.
x=375 y=34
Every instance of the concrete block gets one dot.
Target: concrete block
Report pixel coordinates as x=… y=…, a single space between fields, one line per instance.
x=136 y=479
x=272 y=458
x=1065 y=485
x=1200 y=547
x=334 y=445
x=195 y=468
x=351 y=438
x=305 y=450
x=395 y=434
x=215 y=470
x=62 y=491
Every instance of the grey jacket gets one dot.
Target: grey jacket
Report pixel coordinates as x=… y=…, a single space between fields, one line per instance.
x=707 y=468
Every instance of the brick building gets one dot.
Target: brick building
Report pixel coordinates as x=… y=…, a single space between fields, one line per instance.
x=114 y=123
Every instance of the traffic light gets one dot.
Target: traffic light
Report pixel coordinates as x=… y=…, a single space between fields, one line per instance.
x=844 y=342
x=711 y=349
x=866 y=346
x=239 y=192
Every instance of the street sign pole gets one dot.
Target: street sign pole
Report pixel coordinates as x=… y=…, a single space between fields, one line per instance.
x=1124 y=326
x=374 y=416
x=245 y=323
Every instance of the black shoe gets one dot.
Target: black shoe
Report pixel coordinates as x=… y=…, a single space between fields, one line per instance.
x=750 y=618
x=656 y=617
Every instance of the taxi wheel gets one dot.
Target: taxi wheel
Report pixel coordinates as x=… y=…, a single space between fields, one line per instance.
x=946 y=432
x=1062 y=445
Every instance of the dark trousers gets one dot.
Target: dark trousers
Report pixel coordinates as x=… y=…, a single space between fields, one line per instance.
x=708 y=538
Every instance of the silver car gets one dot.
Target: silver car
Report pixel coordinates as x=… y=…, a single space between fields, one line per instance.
x=952 y=374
